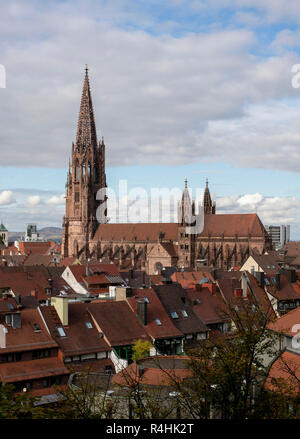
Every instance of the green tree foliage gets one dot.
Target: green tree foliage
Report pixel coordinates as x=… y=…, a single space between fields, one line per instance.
x=15 y=405
x=141 y=349
x=229 y=370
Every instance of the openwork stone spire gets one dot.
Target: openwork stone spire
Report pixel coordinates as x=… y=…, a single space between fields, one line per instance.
x=209 y=206
x=86 y=129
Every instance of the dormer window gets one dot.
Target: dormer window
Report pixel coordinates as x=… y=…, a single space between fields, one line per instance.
x=36 y=327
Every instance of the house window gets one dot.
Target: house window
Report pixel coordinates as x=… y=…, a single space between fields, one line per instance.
x=8 y=319
x=36 y=327
x=108 y=370
x=61 y=331
x=40 y=354
x=76 y=197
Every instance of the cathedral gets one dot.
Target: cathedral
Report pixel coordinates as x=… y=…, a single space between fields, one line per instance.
x=224 y=240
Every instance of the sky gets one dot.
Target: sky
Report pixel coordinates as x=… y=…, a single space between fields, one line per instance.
x=203 y=89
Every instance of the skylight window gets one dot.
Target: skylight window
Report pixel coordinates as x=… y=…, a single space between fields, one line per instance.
x=36 y=327
x=146 y=299
x=174 y=315
x=158 y=322
x=267 y=281
x=61 y=331
x=184 y=313
x=88 y=325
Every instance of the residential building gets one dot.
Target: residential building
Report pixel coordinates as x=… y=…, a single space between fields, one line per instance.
x=280 y=235
x=28 y=355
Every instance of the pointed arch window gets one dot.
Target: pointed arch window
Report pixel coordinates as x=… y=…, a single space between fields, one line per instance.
x=77 y=170
x=95 y=176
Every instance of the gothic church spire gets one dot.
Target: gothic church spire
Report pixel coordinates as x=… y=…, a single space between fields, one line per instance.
x=86 y=128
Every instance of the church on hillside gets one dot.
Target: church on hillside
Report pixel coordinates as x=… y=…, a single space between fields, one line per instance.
x=225 y=240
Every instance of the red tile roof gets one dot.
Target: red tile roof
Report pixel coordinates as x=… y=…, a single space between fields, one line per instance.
x=188 y=279
x=67 y=261
x=23 y=283
x=286 y=369
x=286 y=322
x=40 y=248
x=79 y=339
x=140 y=231
x=155 y=310
x=154 y=372
x=118 y=323
x=79 y=271
x=32 y=369
x=210 y=307
x=286 y=291
x=232 y=224
x=173 y=298
x=216 y=225
x=26 y=338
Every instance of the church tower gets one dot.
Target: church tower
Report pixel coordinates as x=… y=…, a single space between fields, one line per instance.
x=85 y=177
x=209 y=206
x=186 y=238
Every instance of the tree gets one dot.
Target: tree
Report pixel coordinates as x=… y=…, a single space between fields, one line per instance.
x=229 y=370
x=86 y=397
x=15 y=405
x=141 y=349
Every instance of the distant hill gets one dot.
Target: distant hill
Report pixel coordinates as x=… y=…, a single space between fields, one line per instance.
x=47 y=233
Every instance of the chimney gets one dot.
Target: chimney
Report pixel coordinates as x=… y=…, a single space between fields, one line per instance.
x=34 y=293
x=211 y=286
x=293 y=275
x=260 y=276
x=61 y=306
x=121 y=293
x=214 y=273
x=141 y=370
x=278 y=281
x=238 y=292
x=142 y=311
x=244 y=284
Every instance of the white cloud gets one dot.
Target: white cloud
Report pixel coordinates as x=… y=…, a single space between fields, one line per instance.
x=34 y=200
x=6 y=198
x=271 y=210
x=56 y=200
x=156 y=97
x=250 y=199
